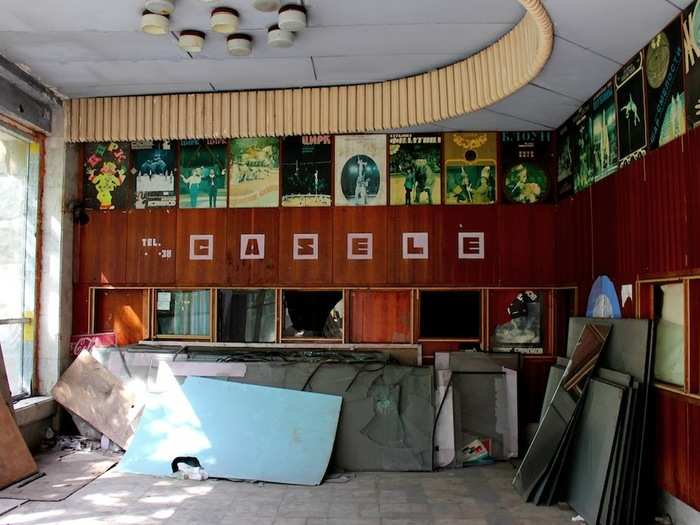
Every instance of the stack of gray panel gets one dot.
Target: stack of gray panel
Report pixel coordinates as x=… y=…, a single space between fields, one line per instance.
x=599 y=468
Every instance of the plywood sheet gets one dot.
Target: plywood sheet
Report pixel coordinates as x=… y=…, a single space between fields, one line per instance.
x=90 y=391
x=16 y=462
x=5 y=394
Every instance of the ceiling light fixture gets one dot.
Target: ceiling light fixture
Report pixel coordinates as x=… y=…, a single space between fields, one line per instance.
x=191 y=40
x=154 y=23
x=266 y=5
x=160 y=7
x=239 y=44
x=292 y=17
x=224 y=20
x=277 y=37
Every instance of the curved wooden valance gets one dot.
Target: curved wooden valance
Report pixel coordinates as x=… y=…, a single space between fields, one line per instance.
x=465 y=86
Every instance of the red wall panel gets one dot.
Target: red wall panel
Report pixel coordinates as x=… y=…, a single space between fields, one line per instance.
x=380 y=316
x=665 y=209
x=194 y=267
x=692 y=158
x=349 y=220
x=102 y=249
x=252 y=272
x=526 y=238
x=150 y=246
x=303 y=272
x=604 y=227
x=671 y=450
x=414 y=219
x=630 y=233
x=467 y=272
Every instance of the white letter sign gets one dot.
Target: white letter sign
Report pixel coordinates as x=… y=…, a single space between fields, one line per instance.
x=252 y=246
x=201 y=247
x=415 y=245
x=360 y=245
x=470 y=245
x=305 y=246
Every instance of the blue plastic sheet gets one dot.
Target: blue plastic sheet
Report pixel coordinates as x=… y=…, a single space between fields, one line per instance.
x=236 y=431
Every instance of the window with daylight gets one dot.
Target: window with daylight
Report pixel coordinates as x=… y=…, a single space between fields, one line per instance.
x=19 y=182
x=183 y=313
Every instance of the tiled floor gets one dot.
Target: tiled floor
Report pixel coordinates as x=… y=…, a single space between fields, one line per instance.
x=473 y=496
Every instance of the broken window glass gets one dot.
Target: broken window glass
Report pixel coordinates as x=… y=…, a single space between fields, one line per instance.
x=246 y=316
x=313 y=314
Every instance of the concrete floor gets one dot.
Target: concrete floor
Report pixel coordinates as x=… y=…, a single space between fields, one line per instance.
x=473 y=496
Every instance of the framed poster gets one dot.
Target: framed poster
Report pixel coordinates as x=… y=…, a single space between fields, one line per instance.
x=360 y=170
x=307 y=170
x=154 y=170
x=566 y=159
x=603 y=132
x=203 y=174
x=583 y=164
x=470 y=168
x=691 y=63
x=414 y=168
x=107 y=183
x=664 y=79
x=255 y=172
x=525 y=157
x=631 y=110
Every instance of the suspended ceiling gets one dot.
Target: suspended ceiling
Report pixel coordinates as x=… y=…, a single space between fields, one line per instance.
x=93 y=48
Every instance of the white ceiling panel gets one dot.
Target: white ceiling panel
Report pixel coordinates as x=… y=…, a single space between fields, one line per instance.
x=336 y=70
x=536 y=104
x=614 y=29
x=245 y=75
x=76 y=46
x=487 y=120
x=117 y=90
x=575 y=71
x=454 y=39
x=361 y=12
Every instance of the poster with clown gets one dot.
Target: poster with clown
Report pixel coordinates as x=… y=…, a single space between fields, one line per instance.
x=107 y=183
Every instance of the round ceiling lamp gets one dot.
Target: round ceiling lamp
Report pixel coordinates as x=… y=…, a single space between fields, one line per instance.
x=292 y=17
x=160 y=7
x=224 y=20
x=277 y=37
x=239 y=44
x=154 y=23
x=266 y=5
x=191 y=40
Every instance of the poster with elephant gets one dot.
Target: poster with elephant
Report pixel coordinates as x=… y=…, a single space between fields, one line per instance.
x=360 y=170
x=526 y=160
x=470 y=167
x=414 y=168
x=255 y=172
x=107 y=183
x=203 y=174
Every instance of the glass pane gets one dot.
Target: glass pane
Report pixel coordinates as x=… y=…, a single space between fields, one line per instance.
x=669 y=365
x=12 y=345
x=183 y=312
x=19 y=175
x=246 y=316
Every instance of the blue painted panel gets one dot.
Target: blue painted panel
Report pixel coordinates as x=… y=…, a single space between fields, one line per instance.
x=236 y=431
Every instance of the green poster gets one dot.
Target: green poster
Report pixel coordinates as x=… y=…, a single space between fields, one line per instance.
x=255 y=172
x=202 y=174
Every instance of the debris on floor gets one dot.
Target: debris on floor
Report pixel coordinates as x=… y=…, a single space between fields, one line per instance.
x=60 y=474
